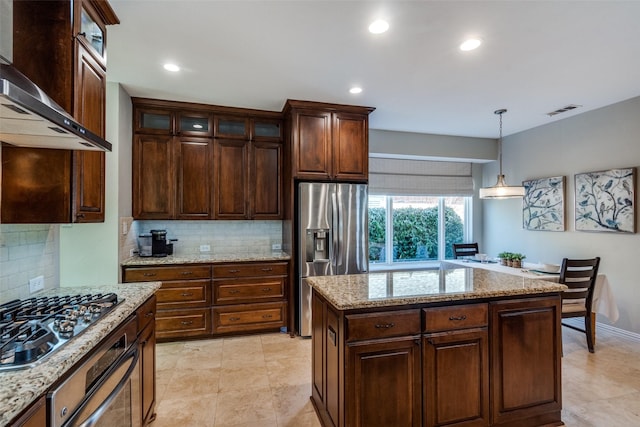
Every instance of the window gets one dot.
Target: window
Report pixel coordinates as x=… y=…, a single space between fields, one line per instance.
x=412 y=229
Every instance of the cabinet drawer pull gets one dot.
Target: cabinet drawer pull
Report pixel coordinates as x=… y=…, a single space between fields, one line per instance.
x=234 y=291
x=187 y=294
x=148 y=274
x=187 y=322
x=234 y=271
x=187 y=273
x=463 y=317
x=266 y=289
x=385 y=326
x=267 y=269
x=149 y=314
x=267 y=316
x=234 y=319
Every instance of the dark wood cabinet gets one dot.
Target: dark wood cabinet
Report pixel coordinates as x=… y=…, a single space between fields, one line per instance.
x=46 y=33
x=202 y=300
x=194 y=160
x=455 y=366
x=205 y=163
x=526 y=349
x=328 y=141
x=147 y=342
x=231 y=179
x=153 y=182
x=34 y=416
x=468 y=364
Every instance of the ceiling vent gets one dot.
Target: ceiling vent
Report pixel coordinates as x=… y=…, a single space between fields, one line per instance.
x=564 y=109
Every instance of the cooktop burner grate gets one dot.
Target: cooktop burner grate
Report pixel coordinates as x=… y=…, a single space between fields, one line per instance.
x=34 y=328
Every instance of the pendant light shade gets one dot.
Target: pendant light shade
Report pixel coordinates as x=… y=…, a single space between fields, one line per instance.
x=501 y=190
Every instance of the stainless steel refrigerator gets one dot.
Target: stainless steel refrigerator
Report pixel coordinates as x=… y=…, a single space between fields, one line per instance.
x=332 y=236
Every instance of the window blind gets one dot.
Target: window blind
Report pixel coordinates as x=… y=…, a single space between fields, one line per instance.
x=419 y=177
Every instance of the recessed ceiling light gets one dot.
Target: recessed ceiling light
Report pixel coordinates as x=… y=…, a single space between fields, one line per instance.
x=171 y=67
x=470 y=44
x=378 y=26
x=355 y=89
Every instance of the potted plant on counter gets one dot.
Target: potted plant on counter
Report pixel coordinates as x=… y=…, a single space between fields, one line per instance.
x=505 y=258
x=516 y=260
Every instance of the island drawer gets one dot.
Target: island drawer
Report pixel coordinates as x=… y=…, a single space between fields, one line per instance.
x=250 y=270
x=382 y=325
x=146 y=312
x=249 y=317
x=449 y=318
x=233 y=291
x=150 y=274
x=191 y=293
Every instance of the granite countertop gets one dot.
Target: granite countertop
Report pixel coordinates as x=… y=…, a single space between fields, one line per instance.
x=19 y=388
x=208 y=258
x=423 y=286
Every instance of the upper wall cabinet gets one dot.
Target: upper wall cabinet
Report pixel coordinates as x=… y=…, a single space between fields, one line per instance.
x=328 y=141
x=60 y=46
x=194 y=161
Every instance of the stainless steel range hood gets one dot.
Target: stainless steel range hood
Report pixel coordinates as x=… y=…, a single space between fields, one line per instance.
x=29 y=118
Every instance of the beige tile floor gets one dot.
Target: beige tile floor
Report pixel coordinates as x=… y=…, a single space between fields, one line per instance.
x=265 y=381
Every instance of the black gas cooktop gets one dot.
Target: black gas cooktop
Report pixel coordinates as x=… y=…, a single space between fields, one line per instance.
x=31 y=329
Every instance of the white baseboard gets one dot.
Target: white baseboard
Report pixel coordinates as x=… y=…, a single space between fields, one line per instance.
x=619 y=332
x=601 y=326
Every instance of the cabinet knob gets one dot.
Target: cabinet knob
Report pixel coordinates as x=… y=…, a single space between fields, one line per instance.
x=456 y=318
x=80 y=215
x=149 y=314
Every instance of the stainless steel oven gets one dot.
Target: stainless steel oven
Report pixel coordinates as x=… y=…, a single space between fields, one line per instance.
x=105 y=389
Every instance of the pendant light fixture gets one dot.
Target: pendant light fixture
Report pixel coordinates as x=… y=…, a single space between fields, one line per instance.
x=501 y=190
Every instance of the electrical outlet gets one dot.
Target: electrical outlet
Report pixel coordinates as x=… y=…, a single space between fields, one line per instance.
x=205 y=248
x=36 y=284
x=276 y=247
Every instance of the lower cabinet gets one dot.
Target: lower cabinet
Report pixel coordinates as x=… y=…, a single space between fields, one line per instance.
x=463 y=365
x=147 y=342
x=203 y=300
x=34 y=416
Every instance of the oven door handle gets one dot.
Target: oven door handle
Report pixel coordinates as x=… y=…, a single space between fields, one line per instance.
x=131 y=354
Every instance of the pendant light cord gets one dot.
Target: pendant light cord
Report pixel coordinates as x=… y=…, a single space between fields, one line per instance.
x=500 y=113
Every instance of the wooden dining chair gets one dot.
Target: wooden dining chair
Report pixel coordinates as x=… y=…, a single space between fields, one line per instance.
x=579 y=275
x=464 y=249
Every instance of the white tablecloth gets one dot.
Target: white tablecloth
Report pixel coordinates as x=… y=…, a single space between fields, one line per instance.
x=603 y=300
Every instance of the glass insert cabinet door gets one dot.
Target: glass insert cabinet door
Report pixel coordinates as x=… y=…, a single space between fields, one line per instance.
x=232 y=127
x=195 y=124
x=92 y=32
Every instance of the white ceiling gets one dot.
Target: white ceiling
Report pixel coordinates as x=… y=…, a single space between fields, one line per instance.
x=536 y=57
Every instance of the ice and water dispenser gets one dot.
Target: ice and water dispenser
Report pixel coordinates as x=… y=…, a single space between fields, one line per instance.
x=317 y=245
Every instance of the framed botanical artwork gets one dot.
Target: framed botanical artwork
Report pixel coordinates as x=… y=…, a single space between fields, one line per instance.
x=543 y=204
x=605 y=201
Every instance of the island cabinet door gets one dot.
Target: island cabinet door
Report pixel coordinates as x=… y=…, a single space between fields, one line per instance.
x=382 y=385
x=525 y=362
x=456 y=378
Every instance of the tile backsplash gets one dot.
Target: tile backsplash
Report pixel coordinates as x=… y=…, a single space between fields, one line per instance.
x=26 y=252
x=221 y=236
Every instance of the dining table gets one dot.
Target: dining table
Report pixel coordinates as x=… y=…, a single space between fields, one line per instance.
x=604 y=302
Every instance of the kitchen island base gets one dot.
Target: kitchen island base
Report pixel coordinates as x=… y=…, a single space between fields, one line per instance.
x=489 y=362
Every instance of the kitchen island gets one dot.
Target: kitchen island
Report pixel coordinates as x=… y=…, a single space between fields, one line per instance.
x=20 y=388
x=442 y=347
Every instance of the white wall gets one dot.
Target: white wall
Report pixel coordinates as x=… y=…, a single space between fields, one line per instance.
x=596 y=140
x=89 y=252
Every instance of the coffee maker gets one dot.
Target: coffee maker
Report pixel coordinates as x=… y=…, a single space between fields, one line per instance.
x=159 y=243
